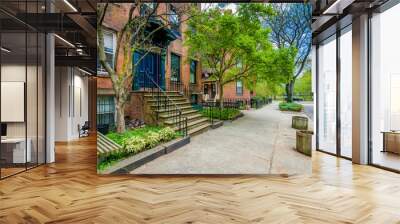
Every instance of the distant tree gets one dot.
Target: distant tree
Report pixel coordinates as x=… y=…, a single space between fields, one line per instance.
x=231 y=44
x=291 y=28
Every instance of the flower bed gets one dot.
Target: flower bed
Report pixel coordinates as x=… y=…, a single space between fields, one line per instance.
x=136 y=141
x=284 y=106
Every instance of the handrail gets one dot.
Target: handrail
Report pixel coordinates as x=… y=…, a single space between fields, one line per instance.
x=161 y=90
x=177 y=119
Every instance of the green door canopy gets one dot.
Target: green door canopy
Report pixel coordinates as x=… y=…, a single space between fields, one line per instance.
x=163 y=36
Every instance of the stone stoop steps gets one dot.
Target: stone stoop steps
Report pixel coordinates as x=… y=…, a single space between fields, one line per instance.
x=196 y=122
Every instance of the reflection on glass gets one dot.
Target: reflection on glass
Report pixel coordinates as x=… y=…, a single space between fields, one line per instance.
x=385 y=86
x=327 y=96
x=346 y=93
x=14 y=153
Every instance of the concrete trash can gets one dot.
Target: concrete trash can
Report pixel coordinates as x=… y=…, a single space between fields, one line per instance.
x=300 y=123
x=304 y=142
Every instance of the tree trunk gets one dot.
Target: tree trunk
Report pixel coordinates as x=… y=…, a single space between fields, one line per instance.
x=289 y=91
x=221 y=96
x=120 y=109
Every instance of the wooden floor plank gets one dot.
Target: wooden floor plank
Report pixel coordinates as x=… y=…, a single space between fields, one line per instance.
x=70 y=191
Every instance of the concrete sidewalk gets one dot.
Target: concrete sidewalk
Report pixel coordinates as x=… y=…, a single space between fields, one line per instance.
x=261 y=142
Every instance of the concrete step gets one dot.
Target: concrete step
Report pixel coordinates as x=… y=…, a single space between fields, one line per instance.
x=162 y=96
x=105 y=145
x=184 y=113
x=193 y=124
x=175 y=100
x=177 y=103
x=190 y=118
x=199 y=129
x=172 y=108
x=170 y=104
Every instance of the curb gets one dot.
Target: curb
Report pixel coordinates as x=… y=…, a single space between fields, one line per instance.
x=126 y=165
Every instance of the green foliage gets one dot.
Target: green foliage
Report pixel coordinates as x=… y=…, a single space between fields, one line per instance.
x=119 y=138
x=222 y=114
x=136 y=141
x=303 y=85
x=284 y=106
x=232 y=45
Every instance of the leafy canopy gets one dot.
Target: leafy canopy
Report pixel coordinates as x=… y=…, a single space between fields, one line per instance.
x=233 y=45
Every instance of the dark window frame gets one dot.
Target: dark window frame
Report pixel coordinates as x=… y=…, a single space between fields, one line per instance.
x=175 y=76
x=239 y=89
x=194 y=75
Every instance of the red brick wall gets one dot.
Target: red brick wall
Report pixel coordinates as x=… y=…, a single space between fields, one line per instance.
x=104 y=83
x=230 y=92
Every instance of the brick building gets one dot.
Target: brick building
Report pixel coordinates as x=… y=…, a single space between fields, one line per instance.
x=172 y=69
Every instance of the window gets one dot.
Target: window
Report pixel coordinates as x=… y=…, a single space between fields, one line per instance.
x=175 y=68
x=327 y=96
x=346 y=93
x=174 y=19
x=105 y=110
x=147 y=8
x=193 y=68
x=109 y=45
x=239 y=88
x=385 y=89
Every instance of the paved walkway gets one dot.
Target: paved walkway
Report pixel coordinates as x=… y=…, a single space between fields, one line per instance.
x=261 y=142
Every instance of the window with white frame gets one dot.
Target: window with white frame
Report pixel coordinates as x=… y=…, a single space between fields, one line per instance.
x=109 y=49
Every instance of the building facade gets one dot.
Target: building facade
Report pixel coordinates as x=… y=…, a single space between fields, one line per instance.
x=172 y=69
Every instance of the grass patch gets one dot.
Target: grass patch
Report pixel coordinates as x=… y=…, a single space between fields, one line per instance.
x=217 y=113
x=136 y=141
x=139 y=132
x=284 y=106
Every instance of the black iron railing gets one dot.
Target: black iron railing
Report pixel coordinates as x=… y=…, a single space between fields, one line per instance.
x=163 y=104
x=259 y=102
x=213 y=111
x=178 y=86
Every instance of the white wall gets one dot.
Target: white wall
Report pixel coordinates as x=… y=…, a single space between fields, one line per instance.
x=71 y=102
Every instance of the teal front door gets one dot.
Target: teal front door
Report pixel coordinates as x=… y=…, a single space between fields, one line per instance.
x=150 y=71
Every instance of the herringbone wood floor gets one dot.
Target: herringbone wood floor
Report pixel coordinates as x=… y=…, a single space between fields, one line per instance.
x=70 y=191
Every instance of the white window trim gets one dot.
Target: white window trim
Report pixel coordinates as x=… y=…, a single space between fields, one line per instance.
x=114 y=37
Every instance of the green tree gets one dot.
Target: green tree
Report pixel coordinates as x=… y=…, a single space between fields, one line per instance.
x=233 y=45
x=303 y=84
x=291 y=28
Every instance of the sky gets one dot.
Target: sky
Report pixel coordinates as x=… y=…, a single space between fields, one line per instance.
x=231 y=6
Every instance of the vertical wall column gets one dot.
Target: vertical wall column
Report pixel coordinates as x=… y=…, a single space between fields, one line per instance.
x=360 y=90
x=314 y=91
x=50 y=98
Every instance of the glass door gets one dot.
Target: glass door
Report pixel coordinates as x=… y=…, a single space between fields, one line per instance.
x=327 y=96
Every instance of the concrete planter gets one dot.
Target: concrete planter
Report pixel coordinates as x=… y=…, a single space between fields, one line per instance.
x=304 y=142
x=126 y=165
x=300 y=122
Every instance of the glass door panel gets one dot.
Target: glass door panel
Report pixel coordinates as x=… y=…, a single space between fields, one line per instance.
x=327 y=96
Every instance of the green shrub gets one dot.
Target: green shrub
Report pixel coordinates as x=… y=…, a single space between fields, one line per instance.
x=284 y=106
x=167 y=134
x=134 y=144
x=136 y=141
x=217 y=113
x=119 y=138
